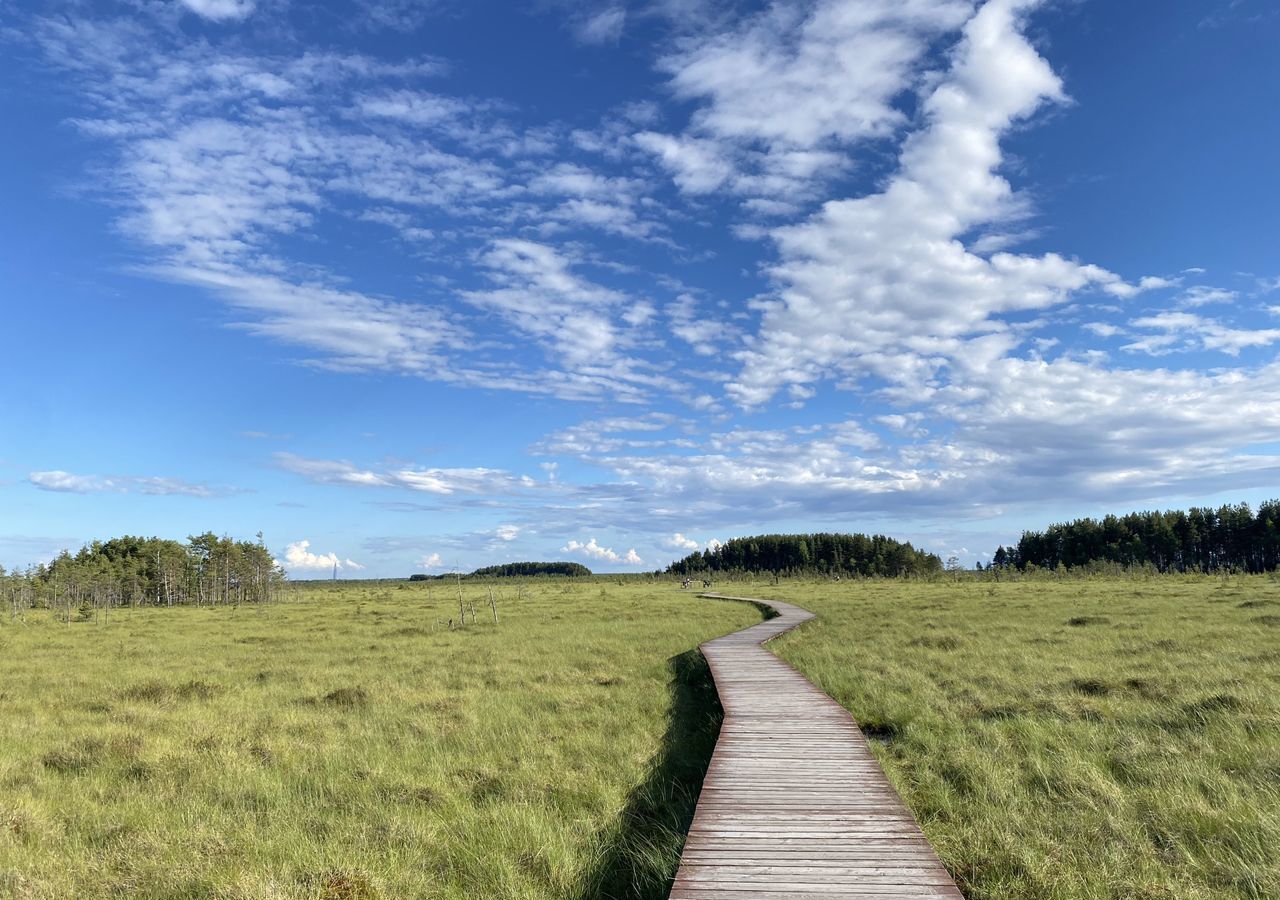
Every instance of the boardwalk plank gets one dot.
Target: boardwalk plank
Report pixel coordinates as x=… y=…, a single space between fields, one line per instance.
x=794 y=803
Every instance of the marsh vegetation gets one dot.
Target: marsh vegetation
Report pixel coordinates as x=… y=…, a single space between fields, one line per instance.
x=341 y=745
x=1057 y=737
x=1068 y=738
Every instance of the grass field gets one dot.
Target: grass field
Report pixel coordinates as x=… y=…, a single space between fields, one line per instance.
x=1076 y=739
x=338 y=747
x=1108 y=738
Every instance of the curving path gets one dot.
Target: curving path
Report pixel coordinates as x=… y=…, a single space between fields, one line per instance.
x=794 y=804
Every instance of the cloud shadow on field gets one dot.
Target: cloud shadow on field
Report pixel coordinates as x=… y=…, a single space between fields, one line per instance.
x=640 y=853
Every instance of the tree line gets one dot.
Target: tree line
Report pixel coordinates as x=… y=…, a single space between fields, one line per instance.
x=137 y=571
x=798 y=554
x=529 y=569
x=516 y=570
x=1201 y=539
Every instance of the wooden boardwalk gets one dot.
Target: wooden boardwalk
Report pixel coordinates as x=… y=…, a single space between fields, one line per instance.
x=794 y=804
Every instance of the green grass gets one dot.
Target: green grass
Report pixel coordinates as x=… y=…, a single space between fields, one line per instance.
x=1068 y=739
x=1107 y=738
x=342 y=746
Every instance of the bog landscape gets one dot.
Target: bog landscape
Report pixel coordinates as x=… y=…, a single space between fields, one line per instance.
x=547 y=735
x=639 y=450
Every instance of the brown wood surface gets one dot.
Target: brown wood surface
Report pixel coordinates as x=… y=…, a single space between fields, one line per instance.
x=794 y=804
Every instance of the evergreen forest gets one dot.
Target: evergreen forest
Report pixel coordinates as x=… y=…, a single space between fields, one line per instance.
x=823 y=553
x=137 y=571
x=1201 y=539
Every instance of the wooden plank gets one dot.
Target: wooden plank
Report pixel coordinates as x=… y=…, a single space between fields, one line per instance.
x=794 y=803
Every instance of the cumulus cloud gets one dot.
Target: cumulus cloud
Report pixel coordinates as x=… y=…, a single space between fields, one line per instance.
x=678 y=541
x=298 y=555
x=430 y=561
x=784 y=90
x=592 y=550
x=884 y=285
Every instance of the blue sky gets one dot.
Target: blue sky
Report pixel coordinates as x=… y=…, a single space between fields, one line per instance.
x=416 y=285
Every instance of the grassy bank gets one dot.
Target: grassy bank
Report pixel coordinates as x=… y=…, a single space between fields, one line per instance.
x=1077 y=739
x=344 y=746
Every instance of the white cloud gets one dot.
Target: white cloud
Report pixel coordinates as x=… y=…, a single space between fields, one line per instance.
x=1172 y=331
x=1103 y=329
x=603 y=26
x=221 y=156
x=396 y=15
x=705 y=332
x=1204 y=295
x=541 y=296
x=698 y=166
x=67 y=482
x=908 y=294
x=430 y=561
x=299 y=556
x=883 y=285
x=58 y=480
x=440 y=481
x=608 y=435
x=1019 y=433
x=784 y=88
x=678 y=541
x=221 y=10
x=413 y=107
x=759 y=78
x=574 y=180
x=593 y=550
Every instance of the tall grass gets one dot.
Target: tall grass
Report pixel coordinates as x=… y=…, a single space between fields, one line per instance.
x=345 y=747
x=1103 y=738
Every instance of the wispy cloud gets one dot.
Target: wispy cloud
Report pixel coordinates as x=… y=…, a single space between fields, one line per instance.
x=859 y=148
x=601 y=26
x=1172 y=331
x=149 y=485
x=430 y=480
x=221 y=10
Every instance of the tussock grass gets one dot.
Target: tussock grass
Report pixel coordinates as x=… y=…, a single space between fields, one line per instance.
x=343 y=746
x=1101 y=738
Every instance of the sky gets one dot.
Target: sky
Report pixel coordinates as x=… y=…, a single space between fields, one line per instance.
x=423 y=285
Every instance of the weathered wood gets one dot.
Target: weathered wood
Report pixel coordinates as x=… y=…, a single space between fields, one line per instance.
x=794 y=803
